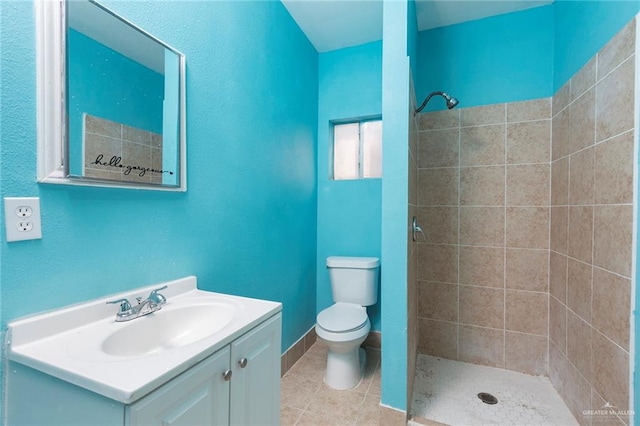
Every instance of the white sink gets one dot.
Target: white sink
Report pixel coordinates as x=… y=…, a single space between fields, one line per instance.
x=169 y=329
x=84 y=345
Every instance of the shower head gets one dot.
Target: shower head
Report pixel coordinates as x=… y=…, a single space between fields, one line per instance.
x=451 y=102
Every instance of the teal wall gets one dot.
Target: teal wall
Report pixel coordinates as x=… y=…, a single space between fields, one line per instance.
x=503 y=58
x=395 y=151
x=106 y=84
x=582 y=28
x=349 y=211
x=247 y=223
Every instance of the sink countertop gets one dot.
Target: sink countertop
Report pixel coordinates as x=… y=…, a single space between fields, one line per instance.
x=66 y=343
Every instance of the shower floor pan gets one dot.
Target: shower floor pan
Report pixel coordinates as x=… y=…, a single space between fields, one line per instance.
x=447 y=391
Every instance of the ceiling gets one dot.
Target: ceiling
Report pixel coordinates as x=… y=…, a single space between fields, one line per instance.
x=334 y=24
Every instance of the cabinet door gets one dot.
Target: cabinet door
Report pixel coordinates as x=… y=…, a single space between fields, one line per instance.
x=199 y=396
x=255 y=385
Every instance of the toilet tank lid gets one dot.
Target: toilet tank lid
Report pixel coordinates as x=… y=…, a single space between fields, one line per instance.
x=352 y=262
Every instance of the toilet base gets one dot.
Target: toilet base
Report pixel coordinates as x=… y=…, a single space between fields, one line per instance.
x=345 y=370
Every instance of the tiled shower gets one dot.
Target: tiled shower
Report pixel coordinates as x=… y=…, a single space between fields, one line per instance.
x=527 y=213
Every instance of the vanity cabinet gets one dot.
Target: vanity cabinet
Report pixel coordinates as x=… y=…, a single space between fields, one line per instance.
x=237 y=385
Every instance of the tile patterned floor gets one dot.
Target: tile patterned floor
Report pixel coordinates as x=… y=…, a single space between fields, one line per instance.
x=306 y=400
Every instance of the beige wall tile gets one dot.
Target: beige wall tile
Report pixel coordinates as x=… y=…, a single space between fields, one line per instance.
x=483 y=115
x=560 y=182
x=536 y=109
x=528 y=185
x=482 y=146
x=579 y=344
x=612 y=306
x=576 y=392
x=482 y=266
x=136 y=155
x=597 y=403
x=581 y=177
x=437 y=263
x=529 y=142
x=527 y=312
x=528 y=227
x=440 y=224
x=558 y=323
x=438 y=338
x=560 y=134
x=619 y=48
x=527 y=269
x=101 y=126
x=438 y=187
x=484 y=346
x=413 y=181
x=558 y=276
x=614 y=106
x=445 y=119
x=561 y=99
x=156 y=140
x=559 y=229
x=610 y=371
x=526 y=353
x=612 y=238
x=482 y=306
x=438 y=301
x=580 y=235
x=438 y=148
x=95 y=145
x=102 y=174
x=581 y=122
x=584 y=79
x=295 y=352
x=614 y=170
x=579 y=288
x=482 y=226
x=482 y=186
x=136 y=135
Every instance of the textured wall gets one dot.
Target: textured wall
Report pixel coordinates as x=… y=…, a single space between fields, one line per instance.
x=349 y=211
x=247 y=223
x=504 y=58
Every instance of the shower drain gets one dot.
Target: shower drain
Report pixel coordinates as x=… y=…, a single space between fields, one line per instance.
x=487 y=398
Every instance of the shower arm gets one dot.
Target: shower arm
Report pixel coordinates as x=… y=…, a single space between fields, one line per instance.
x=426 y=101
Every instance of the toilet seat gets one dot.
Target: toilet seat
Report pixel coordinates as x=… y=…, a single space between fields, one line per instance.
x=343 y=318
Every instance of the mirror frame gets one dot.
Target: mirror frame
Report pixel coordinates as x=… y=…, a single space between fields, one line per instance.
x=52 y=104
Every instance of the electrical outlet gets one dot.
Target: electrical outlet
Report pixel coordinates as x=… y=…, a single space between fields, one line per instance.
x=22 y=218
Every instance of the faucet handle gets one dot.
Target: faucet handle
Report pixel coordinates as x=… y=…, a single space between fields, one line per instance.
x=124 y=304
x=156 y=297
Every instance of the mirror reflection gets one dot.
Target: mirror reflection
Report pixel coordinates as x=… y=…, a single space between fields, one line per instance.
x=123 y=100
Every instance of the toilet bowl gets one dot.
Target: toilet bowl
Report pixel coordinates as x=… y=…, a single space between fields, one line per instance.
x=345 y=325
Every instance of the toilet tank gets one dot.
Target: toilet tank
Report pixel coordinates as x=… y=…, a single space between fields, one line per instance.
x=354 y=279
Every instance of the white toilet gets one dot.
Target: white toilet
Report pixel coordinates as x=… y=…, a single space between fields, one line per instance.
x=345 y=325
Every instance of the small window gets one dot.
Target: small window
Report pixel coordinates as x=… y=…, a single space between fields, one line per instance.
x=357 y=150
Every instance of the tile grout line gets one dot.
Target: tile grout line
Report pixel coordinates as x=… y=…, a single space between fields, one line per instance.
x=504 y=243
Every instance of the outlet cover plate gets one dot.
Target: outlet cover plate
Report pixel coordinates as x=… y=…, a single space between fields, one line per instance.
x=18 y=225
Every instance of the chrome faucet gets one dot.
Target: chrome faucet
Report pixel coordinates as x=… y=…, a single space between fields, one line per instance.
x=152 y=303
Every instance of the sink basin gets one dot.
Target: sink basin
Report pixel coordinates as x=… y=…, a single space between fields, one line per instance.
x=84 y=345
x=168 y=329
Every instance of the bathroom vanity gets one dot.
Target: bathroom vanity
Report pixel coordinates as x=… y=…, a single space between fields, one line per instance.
x=203 y=359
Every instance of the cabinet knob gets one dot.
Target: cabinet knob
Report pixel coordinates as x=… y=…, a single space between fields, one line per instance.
x=227 y=375
x=243 y=362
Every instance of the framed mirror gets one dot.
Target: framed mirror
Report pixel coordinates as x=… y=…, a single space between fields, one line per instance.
x=111 y=101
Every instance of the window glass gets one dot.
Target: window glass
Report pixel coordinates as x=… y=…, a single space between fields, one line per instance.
x=371 y=149
x=346 y=151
